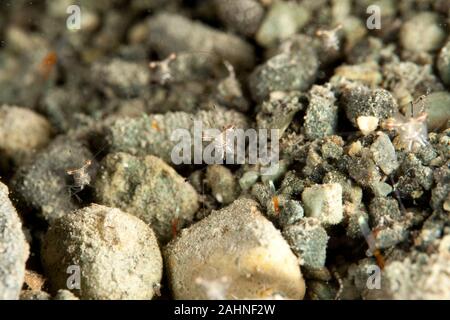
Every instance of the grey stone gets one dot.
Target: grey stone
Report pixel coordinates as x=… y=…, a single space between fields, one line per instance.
x=383 y=153
x=13 y=249
x=309 y=241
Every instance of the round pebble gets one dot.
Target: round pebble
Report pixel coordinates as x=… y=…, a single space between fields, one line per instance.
x=324 y=202
x=22 y=132
x=443 y=63
x=65 y=295
x=367 y=124
x=223 y=184
x=115 y=255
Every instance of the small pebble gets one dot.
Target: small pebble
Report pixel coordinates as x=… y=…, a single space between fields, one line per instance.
x=262 y=192
x=350 y=191
x=34 y=295
x=332 y=147
x=22 y=132
x=422 y=32
x=383 y=153
x=279 y=111
x=442 y=186
x=223 y=184
x=322 y=113
x=229 y=91
x=353 y=214
x=384 y=211
x=416 y=177
x=443 y=63
x=320 y=290
x=292 y=185
x=321 y=274
x=275 y=171
x=197 y=37
x=284 y=72
x=363 y=169
x=64 y=294
x=33 y=280
x=366 y=73
x=388 y=237
x=45 y=185
x=354 y=30
x=381 y=189
x=367 y=124
x=418 y=276
x=126 y=79
x=248 y=179
x=148 y=188
x=283 y=19
x=243 y=16
x=291 y=213
x=437 y=109
x=446 y=205
x=308 y=239
x=153 y=134
x=408 y=80
x=360 y=101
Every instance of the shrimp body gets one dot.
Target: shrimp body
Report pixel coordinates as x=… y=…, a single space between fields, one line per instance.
x=412 y=132
x=81 y=177
x=412 y=127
